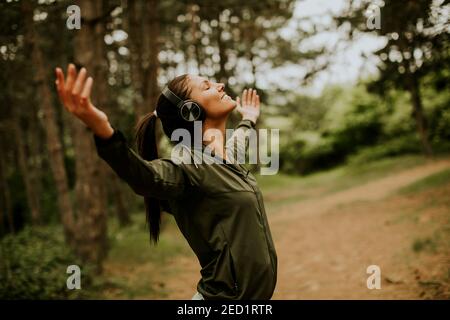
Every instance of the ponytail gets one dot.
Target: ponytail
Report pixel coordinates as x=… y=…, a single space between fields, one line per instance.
x=147 y=147
x=145 y=137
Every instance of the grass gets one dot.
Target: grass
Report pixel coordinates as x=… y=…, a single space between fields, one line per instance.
x=433 y=181
x=132 y=243
x=135 y=267
x=424 y=244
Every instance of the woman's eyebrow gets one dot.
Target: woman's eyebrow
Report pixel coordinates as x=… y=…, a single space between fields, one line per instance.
x=205 y=82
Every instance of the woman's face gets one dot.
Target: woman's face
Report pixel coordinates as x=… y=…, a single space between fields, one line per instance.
x=211 y=96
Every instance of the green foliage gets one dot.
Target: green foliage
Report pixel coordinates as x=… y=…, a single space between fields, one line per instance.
x=33 y=265
x=347 y=126
x=132 y=243
x=402 y=145
x=426 y=244
x=356 y=126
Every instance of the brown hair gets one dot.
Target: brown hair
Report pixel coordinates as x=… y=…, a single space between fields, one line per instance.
x=145 y=136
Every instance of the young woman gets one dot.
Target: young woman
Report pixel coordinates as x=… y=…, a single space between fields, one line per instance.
x=218 y=207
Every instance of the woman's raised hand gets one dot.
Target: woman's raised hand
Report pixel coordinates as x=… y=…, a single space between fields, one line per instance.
x=75 y=94
x=250 y=105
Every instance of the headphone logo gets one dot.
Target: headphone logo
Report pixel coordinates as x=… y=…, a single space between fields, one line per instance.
x=189 y=110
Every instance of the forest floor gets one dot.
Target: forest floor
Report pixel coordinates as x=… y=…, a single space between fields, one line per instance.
x=327 y=229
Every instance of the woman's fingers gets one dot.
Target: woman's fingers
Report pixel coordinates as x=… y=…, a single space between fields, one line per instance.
x=71 y=75
x=249 y=98
x=75 y=90
x=238 y=102
x=59 y=78
x=244 y=97
x=86 y=93
x=253 y=103
x=70 y=81
x=60 y=87
x=78 y=86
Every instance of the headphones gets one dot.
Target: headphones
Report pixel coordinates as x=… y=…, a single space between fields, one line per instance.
x=189 y=109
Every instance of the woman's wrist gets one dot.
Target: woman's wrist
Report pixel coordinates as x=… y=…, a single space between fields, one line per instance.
x=103 y=130
x=251 y=119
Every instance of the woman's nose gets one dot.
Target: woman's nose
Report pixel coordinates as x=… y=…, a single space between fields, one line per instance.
x=220 y=86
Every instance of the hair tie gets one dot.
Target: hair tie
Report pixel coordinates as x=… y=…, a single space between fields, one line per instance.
x=155 y=113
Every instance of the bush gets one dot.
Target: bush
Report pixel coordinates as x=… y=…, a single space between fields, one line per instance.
x=409 y=144
x=358 y=126
x=33 y=265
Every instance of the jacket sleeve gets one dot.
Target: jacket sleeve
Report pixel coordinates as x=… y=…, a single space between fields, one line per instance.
x=160 y=178
x=237 y=145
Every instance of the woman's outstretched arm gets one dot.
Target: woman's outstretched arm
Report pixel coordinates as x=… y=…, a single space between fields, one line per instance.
x=237 y=145
x=158 y=178
x=75 y=94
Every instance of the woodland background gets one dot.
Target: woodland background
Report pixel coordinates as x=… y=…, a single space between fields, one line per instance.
x=61 y=205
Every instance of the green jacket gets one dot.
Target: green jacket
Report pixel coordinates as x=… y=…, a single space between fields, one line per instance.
x=218 y=208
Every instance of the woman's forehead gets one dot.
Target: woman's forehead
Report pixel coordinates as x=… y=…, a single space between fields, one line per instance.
x=197 y=80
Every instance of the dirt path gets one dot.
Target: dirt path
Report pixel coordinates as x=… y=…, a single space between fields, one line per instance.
x=325 y=244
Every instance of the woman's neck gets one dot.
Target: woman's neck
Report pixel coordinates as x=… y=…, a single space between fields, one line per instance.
x=214 y=136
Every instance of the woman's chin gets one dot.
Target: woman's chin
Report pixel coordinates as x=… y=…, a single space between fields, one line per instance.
x=227 y=102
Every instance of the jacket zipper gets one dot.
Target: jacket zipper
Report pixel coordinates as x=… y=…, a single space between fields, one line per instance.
x=244 y=177
x=259 y=214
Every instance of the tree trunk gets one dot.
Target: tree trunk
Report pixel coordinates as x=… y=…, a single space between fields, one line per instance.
x=143 y=29
x=34 y=140
x=6 y=194
x=91 y=240
x=418 y=114
x=143 y=26
x=195 y=31
x=27 y=175
x=135 y=35
x=122 y=211
x=104 y=101
x=53 y=142
x=151 y=64
x=222 y=75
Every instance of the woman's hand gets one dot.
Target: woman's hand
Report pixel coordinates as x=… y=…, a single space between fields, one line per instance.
x=75 y=94
x=250 y=105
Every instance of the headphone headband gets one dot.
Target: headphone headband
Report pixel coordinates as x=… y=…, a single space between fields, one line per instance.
x=172 y=97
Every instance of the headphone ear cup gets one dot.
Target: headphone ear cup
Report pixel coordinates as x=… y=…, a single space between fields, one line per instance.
x=191 y=111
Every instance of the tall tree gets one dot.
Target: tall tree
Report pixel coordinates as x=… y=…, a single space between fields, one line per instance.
x=6 y=216
x=28 y=176
x=103 y=94
x=143 y=27
x=55 y=150
x=416 y=43
x=91 y=238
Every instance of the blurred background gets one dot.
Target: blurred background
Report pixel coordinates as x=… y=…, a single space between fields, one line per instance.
x=359 y=91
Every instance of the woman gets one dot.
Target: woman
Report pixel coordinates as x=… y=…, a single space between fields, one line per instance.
x=218 y=207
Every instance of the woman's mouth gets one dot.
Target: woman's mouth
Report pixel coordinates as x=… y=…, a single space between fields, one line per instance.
x=225 y=96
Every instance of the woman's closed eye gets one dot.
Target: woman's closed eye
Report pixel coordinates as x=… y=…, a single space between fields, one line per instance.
x=206 y=85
